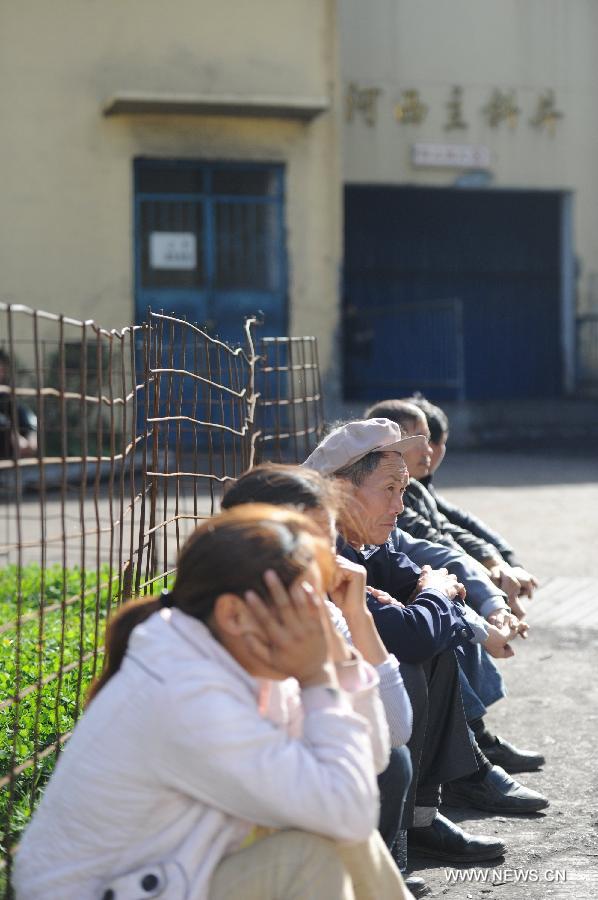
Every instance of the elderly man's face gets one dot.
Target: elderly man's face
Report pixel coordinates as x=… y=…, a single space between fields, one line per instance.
x=379 y=499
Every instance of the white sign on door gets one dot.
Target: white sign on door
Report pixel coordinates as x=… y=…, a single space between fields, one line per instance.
x=172 y=250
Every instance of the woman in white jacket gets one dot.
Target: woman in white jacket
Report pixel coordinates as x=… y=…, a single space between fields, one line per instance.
x=230 y=743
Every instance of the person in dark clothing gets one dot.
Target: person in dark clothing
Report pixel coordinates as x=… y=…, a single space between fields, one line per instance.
x=498 y=750
x=366 y=457
x=18 y=424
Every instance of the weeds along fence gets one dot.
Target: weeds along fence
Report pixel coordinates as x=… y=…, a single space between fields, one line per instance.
x=113 y=445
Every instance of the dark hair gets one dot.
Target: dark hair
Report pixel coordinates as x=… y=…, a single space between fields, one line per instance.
x=4 y=357
x=400 y=411
x=358 y=471
x=226 y=554
x=438 y=422
x=284 y=485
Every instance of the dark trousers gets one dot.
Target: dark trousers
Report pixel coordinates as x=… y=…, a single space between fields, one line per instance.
x=440 y=744
x=394 y=784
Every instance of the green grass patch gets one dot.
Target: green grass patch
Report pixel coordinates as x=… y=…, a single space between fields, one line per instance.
x=62 y=621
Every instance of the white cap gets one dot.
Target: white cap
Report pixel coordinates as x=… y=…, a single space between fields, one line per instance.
x=351 y=442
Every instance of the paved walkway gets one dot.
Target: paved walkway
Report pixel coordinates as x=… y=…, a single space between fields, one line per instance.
x=548 y=508
x=561 y=602
x=546 y=504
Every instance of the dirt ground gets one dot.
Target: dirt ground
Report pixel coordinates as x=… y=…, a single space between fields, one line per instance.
x=548 y=507
x=545 y=504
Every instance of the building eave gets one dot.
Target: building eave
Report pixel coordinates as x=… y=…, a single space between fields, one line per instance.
x=250 y=105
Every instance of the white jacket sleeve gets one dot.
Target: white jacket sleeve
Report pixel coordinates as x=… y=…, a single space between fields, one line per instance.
x=217 y=748
x=360 y=680
x=395 y=698
x=393 y=693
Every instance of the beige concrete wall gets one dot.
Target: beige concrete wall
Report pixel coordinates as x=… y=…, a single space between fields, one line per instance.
x=66 y=233
x=525 y=45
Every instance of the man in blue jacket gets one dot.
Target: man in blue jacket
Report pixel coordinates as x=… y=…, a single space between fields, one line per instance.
x=432 y=621
x=478 y=692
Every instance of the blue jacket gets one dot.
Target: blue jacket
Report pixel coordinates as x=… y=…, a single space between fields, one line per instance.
x=482 y=595
x=425 y=627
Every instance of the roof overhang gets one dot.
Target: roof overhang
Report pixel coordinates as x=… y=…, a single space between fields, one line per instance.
x=261 y=106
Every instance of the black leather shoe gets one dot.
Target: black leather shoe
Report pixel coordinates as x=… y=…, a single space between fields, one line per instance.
x=445 y=840
x=496 y=793
x=511 y=758
x=416 y=885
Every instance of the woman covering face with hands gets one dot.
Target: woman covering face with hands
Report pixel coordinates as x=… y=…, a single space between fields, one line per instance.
x=227 y=747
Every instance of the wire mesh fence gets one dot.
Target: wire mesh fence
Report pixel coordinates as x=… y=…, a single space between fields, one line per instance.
x=113 y=445
x=291 y=403
x=69 y=486
x=199 y=431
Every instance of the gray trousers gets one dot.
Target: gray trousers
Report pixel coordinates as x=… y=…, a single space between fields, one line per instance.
x=440 y=744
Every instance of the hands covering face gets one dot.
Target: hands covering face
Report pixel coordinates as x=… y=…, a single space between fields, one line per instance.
x=293 y=635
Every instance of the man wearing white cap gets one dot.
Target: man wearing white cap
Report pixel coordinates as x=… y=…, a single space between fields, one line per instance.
x=367 y=456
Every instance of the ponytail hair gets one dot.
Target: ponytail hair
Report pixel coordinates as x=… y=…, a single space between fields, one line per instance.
x=120 y=626
x=226 y=554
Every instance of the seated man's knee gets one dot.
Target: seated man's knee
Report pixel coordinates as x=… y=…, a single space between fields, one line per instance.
x=416 y=684
x=400 y=768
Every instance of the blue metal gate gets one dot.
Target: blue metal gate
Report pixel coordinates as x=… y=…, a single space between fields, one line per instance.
x=209 y=243
x=499 y=252
x=397 y=332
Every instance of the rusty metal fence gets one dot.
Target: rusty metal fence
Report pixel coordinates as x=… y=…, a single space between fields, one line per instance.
x=113 y=445
x=290 y=406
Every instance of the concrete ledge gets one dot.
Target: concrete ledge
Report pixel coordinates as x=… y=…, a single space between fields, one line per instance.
x=510 y=424
x=523 y=423
x=279 y=107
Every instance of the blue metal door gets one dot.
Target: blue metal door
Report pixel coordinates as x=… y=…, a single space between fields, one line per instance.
x=497 y=252
x=209 y=243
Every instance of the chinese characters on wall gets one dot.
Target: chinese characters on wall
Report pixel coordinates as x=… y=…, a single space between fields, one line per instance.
x=501 y=108
x=362 y=101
